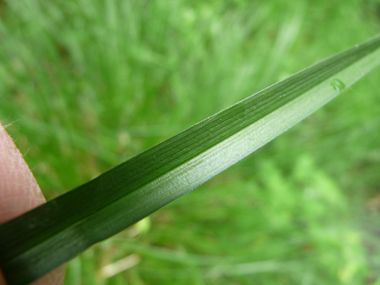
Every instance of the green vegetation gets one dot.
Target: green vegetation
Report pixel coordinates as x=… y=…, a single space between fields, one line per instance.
x=89 y=84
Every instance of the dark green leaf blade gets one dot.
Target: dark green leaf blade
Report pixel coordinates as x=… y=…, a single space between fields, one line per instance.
x=51 y=234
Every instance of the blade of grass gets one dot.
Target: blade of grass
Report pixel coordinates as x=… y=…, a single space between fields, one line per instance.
x=49 y=235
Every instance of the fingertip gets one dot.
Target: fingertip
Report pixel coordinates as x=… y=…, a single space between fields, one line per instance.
x=2 y=278
x=54 y=277
x=19 y=193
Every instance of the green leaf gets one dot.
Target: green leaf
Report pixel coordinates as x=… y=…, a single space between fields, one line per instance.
x=40 y=240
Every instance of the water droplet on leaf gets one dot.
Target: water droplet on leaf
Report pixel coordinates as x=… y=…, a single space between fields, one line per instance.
x=337 y=85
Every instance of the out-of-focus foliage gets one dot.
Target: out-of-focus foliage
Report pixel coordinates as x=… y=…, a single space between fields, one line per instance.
x=87 y=84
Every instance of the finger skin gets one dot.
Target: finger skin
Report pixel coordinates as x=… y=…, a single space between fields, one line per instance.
x=19 y=193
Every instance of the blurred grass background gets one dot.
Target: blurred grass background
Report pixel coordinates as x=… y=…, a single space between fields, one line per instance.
x=87 y=84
